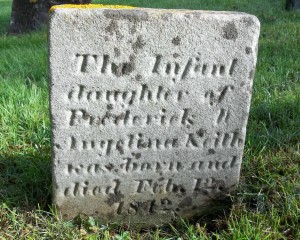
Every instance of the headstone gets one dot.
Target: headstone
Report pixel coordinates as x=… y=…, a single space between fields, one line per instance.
x=149 y=110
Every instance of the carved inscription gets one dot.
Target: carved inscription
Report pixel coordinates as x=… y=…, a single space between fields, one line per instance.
x=223 y=116
x=83 y=118
x=148 y=111
x=215 y=97
x=199 y=140
x=164 y=186
x=214 y=165
x=129 y=165
x=192 y=67
x=218 y=140
x=144 y=93
x=96 y=64
x=133 y=165
x=129 y=143
x=82 y=189
x=148 y=207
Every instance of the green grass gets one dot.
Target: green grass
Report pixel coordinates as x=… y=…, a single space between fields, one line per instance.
x=266 y=204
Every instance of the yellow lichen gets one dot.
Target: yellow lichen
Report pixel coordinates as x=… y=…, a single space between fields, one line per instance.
x=89 y=6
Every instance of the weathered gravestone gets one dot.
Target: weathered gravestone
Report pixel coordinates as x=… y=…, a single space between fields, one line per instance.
x=149 y=110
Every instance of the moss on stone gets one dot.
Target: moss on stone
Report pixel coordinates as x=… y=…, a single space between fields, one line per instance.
x=90 y=6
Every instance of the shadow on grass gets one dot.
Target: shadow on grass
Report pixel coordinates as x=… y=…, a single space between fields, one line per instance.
x=25 y=181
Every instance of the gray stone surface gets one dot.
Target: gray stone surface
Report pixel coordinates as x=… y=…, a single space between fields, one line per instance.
x=149 y=110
